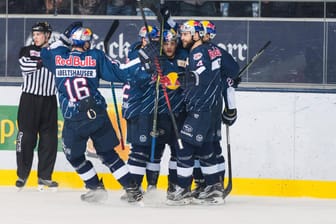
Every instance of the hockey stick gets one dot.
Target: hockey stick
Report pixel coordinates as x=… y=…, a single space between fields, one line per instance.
x=107 y=38
x=255 y=57
x=228 y=188
x=154 y=133
x=171 y=114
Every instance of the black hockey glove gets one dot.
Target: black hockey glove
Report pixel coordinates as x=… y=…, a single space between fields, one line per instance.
x=148 y=54
x=65 y=36
x=229 y=116
x=233 y=82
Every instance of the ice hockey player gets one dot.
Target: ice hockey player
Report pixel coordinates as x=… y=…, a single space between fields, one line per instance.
x=78 y=71
x=203 y=95
x=230 y=80
x=230 y=69
x=138 y=104
x=172 y=63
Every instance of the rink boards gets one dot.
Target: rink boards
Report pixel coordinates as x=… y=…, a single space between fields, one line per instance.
x=282 y=144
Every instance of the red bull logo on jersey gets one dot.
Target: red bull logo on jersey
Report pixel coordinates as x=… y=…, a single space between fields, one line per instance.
x=214 y=52
x=75 y=61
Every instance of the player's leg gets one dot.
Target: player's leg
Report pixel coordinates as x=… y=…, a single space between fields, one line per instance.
x=138 y=134
x=47 y=148
x=209 y=160
x=172 y=169
x=74 y=146
x=26 y=137
x=165 y=136
x=198 y=177
x=220 y=161
x=153 y=167
x=193 y=133
x=185 y=164
x=104 y=140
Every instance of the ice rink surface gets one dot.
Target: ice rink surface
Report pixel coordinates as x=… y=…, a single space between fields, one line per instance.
x=29 y=206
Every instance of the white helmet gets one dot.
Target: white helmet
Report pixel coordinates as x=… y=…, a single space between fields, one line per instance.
x=193 y=26
x=80 y=35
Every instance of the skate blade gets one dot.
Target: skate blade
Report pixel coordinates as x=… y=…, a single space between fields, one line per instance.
x=44 y=188
x=123 y=197
x=19 y=189
x=185 y=201
x=208 y=201
x=97 y=198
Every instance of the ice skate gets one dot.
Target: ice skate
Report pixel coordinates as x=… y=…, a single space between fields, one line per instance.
x=212 y=194
x=151 y=188
x=134 y=193
x=99 y=194
x=181 y=196
x=124 y=196
x=20 y=183
x=42 y=184
x=200 y=185
x=171 y=189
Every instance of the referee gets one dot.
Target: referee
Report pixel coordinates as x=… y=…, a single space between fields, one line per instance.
x=37 y=113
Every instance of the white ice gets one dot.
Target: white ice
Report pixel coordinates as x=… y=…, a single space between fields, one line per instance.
x=29 y=206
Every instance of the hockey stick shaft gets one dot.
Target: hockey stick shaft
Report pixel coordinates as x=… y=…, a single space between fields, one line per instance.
x=228 y=188
x=154 y=132
x=171 y=114
x=160 y=73
x=255 y=57
x=107 y=38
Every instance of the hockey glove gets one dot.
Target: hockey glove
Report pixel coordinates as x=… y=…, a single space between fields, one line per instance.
x=65 y=36
x=233 y=82
x=147 y=56
x=229 y=116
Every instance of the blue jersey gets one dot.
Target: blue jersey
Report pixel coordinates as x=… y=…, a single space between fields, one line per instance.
x=176 y=64
x=137 y=92
x=229 y=72
x=229 y=66
x=205 y=61
x=78 y=74
x=134 y=89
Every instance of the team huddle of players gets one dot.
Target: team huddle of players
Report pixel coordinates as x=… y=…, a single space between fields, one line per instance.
x=175 y=94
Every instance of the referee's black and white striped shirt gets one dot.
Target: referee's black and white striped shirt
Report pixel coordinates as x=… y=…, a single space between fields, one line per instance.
x=39 y=82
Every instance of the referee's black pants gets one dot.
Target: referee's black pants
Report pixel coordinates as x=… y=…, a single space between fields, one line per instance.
x=37 y=123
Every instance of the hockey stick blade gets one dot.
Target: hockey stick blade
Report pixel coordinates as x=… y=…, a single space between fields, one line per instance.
x=228 y=188
x=255 y=57
x=109 y=34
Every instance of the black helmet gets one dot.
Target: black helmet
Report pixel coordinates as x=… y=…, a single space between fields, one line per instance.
x=42 y=27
